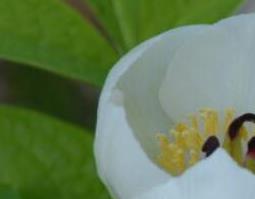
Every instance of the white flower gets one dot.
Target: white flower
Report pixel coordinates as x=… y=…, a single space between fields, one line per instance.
x=155 y=87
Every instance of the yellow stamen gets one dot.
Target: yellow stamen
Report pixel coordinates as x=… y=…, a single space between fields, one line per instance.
x=194 y=122
x=210 y=121
x=194 y=157
x=178 y=138
x=183 y=147
x=229 y=116
x=172 y=157
x=181 y=127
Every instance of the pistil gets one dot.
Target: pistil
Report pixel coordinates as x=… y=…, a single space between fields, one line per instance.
x=250 y=155
x=237 y=124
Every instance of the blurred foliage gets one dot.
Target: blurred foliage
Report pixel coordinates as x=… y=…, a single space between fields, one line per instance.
x=42 y=157
x=133 y=21
x=50 y=35
x=80 y=40
x=46 y=92
x=7 y=192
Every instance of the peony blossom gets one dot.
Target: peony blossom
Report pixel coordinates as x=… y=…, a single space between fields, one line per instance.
x=175 y=118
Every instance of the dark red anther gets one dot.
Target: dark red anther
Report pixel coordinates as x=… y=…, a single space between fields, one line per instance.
x=211 y=144
x=237 y=123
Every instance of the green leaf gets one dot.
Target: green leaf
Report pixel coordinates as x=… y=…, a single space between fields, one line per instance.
x=50 y=35
x=110 y=15
x=44 y=158
x=105 y=13
x=48 y=93
x=7 y=192
x=139 y=20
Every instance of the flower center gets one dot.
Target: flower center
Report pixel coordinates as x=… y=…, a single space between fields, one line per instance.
x=204 y=132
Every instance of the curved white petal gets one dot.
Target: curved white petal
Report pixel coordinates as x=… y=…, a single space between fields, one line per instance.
x=130 y=115
x=214 y=69
x=122 y=164
x=216 y=177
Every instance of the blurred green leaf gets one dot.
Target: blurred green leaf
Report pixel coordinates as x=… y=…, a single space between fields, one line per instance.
x=7 y=192
x=50 y=35
x=105 y=12
x=48 y=93
x=138 y=20
x=44 y=158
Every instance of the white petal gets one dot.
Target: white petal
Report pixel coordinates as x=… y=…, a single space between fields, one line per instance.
x=140 y=85
x=216 y=177
x=122 y=164
x=130 y=114
x=213 y=69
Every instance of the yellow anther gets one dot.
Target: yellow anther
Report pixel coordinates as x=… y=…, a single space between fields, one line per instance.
x=179 y=138
x=229 y=116
x=178 y=159
x=181 y=127
x=178 y=134
x=194 y=157
x=171 y=157
x=193 y=139
x=210 y=121
x=165 y=152
x=194 y=122
x=183 y=147
x=163 y=142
